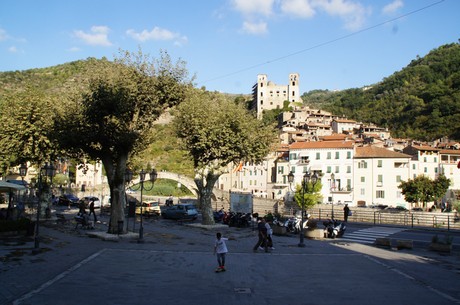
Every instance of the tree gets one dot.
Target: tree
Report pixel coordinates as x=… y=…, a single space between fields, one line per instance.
x=27 y=119
x=423 y=189
x=440 y=186
x=311 y=197
x=111 y=119
x=217 y=132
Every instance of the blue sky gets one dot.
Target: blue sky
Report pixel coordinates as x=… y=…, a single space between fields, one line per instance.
x=332 y=44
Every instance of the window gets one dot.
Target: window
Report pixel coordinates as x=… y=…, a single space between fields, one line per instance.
x=363 y=191
x=380 y=178
x=292 y=156
x=293 y=169
x=261 y=94
x=424 y=159
x=329 y=170
x=435 y=160
x=337 y=155
x=328 y=155
x=293 y=93
x=398 y=194
x=337 y=169
x=413 y=166
x=398 y=178
x=348 y=169
x=348 y=154
x=318 y=156
x=305 y=159
x=379 y=163
x=380 y=194
x=436 y=170
x=425 y=170
x=363 y=179
x=280 y=169
x=362 y=164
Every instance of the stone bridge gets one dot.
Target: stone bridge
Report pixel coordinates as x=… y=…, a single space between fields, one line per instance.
x=189 y=183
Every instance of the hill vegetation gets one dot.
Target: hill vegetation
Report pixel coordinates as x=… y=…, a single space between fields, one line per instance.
x=421 y=101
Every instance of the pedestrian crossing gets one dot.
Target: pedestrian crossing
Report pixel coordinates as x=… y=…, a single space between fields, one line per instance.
x=369 y=235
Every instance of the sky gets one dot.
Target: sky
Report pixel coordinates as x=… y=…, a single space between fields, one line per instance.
x=332 y=44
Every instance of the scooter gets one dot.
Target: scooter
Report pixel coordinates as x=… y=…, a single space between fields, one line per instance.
x=334 y=228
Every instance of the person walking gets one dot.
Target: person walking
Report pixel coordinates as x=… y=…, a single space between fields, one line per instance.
x=269 y=235
x=262 y=235
x=220 y=249
x=346 y=212
x=92 y=211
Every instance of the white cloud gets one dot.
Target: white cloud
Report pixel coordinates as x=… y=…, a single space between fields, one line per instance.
x=155 y=34
x=13 y=49
x=98 y=36
x=74 y=49
x=254 y=7
x=3 y=35
x=353 y=13
x=392 y=7
x=299 y=8
x=255 y=28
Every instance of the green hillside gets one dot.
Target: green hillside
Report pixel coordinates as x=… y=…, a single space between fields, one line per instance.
x=422 y=101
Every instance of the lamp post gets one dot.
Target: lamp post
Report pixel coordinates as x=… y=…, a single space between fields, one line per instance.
x=305 y=189
x=152 y=178
x=332 y=194
x=23 y=173
x=45 y=171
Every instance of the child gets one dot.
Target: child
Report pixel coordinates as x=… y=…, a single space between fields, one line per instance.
x=220 y=249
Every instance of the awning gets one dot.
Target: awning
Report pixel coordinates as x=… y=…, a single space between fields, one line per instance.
x=10 y=187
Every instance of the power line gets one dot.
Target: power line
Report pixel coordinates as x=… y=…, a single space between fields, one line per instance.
x=323 y=43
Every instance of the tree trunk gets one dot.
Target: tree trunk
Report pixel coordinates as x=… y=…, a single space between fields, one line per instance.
x=205 y=186
x=116 y=180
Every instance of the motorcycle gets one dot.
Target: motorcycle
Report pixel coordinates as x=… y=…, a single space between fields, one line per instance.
x=334 y=228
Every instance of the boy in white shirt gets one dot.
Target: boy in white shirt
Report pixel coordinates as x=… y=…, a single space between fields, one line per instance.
x=220 y=249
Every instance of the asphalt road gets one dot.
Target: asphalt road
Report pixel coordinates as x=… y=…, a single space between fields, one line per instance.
x=175 y=265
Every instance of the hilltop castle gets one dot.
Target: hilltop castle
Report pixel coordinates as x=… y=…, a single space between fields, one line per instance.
x=268 y=96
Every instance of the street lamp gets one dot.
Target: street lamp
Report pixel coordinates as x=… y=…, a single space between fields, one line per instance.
x=305 y=189
x=23 y=173
x=332 y=194
x=152 y=178
x=47 y=170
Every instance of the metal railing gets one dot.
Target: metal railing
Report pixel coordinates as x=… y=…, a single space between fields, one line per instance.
x=450 y=220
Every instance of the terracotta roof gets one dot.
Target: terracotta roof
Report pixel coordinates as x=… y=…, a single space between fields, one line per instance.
x=450 y=152
x=425 y=147
x=378 y=152
x=334 y=137
x=321 y=144
x=345 y=121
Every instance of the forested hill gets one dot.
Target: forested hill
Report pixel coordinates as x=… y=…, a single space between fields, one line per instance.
x=422 y=101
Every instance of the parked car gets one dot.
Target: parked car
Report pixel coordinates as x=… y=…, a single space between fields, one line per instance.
x=149 y=208
x=87 y=200
x=180 y=211
x=68 y=199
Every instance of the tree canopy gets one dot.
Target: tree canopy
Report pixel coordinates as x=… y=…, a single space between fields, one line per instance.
x=217 y=132
x=111 y=119
x=27 y=119
x=423 y=189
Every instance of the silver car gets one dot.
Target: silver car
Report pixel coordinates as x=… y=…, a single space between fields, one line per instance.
x=180 y=211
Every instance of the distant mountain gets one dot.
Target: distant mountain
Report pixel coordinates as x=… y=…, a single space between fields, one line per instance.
x=422 y=101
